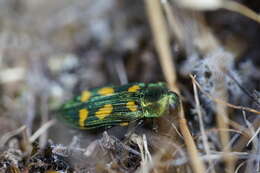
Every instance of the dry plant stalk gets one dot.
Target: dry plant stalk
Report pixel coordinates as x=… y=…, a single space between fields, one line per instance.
x=239 y=8
x=230 y=5
x=174 y=23
x=241 y=143
x=202 y=128
x=222 y=123
x=42 y=130
x=6 y=137
x=241 y=129
x=161 y=41
x=162 y=44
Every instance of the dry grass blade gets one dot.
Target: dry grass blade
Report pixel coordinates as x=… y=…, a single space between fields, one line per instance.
x=222 y=122
x=239 y=8
x=221 y=155
x=161 y=41
x=173 y=22
x=42 y=130
x=196 y=161
x=202 y=128
x=230 y=5
x=241 y=143
x=254 y=136
x=11 y=134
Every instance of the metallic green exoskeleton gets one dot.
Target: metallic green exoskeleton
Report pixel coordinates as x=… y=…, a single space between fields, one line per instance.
x=118 y=105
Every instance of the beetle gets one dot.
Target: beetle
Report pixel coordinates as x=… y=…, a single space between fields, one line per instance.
x=118 y=105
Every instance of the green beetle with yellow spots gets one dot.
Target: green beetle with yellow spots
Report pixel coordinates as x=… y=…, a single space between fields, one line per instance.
x=118 y=105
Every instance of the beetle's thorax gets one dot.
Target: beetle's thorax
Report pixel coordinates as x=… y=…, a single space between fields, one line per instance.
x=157 y=101
x=156 y=109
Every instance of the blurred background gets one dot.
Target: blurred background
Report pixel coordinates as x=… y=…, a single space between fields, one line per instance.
x=52 y=50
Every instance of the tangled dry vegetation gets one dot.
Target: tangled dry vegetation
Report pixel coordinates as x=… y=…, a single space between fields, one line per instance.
x=207 y=51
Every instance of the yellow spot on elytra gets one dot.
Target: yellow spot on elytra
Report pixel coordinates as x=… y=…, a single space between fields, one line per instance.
x=124 y=124
x=133 y=88
x=85 y=96
x=104 y=111
x=132 y=106
x=106 y=91
x=83 y=115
